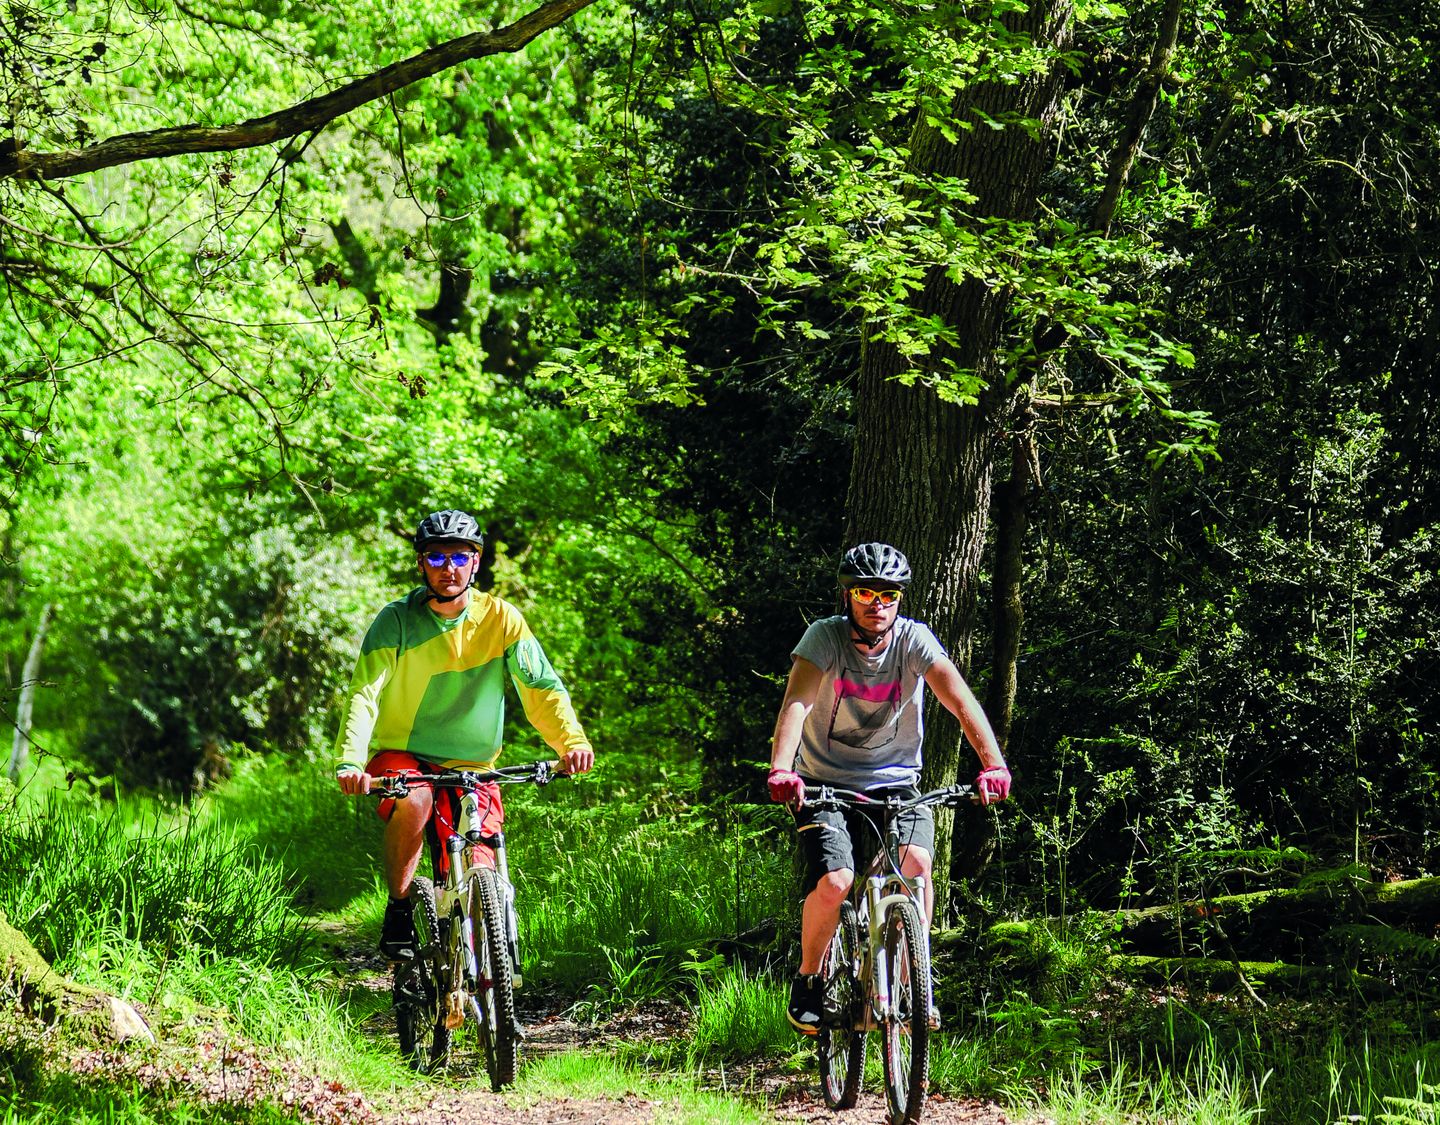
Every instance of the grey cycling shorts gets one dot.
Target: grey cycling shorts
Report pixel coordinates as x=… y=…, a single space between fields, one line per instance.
x=846 y=841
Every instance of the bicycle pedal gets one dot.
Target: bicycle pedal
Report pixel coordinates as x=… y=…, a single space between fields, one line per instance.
x=454 y=1010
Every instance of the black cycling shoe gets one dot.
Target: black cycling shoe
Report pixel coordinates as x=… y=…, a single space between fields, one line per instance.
x=397 y=931
x=807 y=997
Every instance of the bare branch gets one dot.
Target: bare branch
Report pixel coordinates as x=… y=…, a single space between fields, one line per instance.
x=306 y=116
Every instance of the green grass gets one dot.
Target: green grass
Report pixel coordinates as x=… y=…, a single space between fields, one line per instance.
x=198 y=914
x=601 y=1078
x=610 y=885
x=740 y=1015
x=82 y=876
x=326 y=843
x=178 y=910
x=1210 y=1092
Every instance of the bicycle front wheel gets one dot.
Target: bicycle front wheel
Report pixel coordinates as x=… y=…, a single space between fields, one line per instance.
x=417 y=995
x=499 y=1028
x=840 y=1047
x=905 y=1024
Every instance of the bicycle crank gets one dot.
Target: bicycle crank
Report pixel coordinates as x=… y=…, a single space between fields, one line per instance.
x=454 y=1008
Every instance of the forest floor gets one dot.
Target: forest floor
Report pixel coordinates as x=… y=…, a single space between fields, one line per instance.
x=786 y=1095
x=217 y=1069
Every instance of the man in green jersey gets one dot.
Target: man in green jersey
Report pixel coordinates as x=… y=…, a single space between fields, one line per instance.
x=429 y=693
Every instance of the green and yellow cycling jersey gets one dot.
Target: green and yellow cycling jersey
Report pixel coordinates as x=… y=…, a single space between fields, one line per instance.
x=436 y=687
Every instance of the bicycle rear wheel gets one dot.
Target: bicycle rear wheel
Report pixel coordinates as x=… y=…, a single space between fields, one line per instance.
x=905 y=1026
x=418 y=991
x=499 y=1028
x=839 y=1047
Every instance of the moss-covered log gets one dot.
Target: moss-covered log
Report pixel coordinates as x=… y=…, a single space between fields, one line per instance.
x=1289 y=924
x=45 y=993
x=1264 y=978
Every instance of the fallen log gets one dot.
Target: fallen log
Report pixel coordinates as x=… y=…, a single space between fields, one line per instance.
x=1290 y=924
x=1263 y=978
x=45 y=993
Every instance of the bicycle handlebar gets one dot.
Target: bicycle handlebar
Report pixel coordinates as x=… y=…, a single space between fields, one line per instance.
x=826 y=796
x=399 y=785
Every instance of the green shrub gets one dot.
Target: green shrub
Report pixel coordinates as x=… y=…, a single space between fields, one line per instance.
x=246 y=640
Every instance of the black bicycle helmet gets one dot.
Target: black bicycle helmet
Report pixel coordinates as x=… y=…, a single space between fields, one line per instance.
x=872 y=563
x=451 y=525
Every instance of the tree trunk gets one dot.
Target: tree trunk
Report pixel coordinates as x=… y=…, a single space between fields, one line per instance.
x=20 y=748
x=1142 y=108
x=922 y=468
x=1007 y=606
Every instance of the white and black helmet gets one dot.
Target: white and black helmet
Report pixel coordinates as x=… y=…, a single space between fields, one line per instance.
x=451 y=525
x=872 y=563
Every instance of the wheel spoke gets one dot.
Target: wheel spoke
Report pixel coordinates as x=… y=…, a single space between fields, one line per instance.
x=418 y=994
x=499 y=1029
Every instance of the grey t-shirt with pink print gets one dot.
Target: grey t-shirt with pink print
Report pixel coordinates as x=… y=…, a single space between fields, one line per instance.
x=866 y=728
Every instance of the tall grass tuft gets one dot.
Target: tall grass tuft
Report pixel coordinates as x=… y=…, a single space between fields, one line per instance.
x=1209 y=1090
x=740 y=1014
x=327 y=843
x=675 y=1100
x=77 y=877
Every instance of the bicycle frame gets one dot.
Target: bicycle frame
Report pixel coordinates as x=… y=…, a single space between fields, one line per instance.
x=879 y=888
x=872 y=898
x=887 y=908
x=453 y=902
x=470 y=944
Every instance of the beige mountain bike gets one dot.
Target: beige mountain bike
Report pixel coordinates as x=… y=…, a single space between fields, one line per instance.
x=877 y=967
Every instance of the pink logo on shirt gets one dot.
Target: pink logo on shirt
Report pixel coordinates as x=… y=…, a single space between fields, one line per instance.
x=870 y=693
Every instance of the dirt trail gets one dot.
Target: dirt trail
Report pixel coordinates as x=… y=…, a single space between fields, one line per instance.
x=220 y=1070
x=551 y=1030
x=791 y=1098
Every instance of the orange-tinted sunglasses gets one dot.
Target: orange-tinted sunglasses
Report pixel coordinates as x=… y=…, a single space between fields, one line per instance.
x=866 y=596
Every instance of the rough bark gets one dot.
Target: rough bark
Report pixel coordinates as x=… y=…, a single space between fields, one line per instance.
x=1007 y=606
x=922 y=468
x=304 y=117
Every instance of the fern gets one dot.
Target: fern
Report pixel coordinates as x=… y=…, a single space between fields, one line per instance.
x=1385 y=944
x=1351 y=874
x=1421 y=1110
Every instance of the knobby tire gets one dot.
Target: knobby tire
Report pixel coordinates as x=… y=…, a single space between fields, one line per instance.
x=419 y=988
x=499 y=1028
x=906 y=1028
x=839 y=1046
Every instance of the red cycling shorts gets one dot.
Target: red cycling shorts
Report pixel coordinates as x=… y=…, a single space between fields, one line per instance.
x=446 y=810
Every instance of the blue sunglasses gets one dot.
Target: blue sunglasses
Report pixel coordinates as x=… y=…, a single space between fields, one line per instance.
x=438 y=559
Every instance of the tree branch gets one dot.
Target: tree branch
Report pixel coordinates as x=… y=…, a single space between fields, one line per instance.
x=1141 y=110
x=306 y=116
